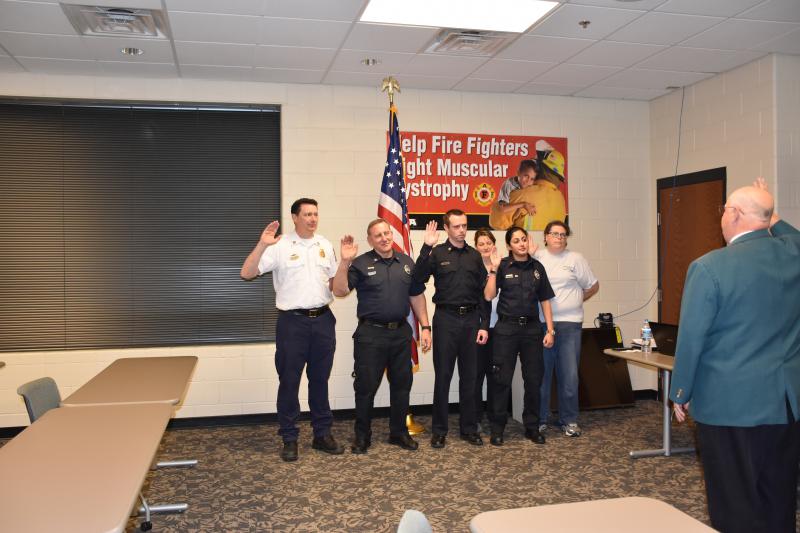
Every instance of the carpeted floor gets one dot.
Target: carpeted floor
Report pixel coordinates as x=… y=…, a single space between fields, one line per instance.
x=242 y=485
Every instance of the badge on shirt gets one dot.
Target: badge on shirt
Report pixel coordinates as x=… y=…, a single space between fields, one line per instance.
x=407 y=269
x=294 y=257
x=371 y=273
x=536 y=274
x=322 y=253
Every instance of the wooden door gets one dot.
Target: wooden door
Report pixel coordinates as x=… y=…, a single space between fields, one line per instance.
x=688 y=227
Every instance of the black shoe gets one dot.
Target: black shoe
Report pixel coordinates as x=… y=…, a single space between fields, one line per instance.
x=437 y=441
x=534 y=435
x=404 y=441
x=360 y=445
x=472 y=438
x=496 y=440
x=327 y=444
x=289 y=452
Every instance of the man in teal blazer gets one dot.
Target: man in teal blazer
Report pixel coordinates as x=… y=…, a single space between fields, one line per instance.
x=738 y=363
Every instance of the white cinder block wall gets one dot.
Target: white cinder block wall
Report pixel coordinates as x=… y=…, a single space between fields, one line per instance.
x=333 y=150
x=787 y=130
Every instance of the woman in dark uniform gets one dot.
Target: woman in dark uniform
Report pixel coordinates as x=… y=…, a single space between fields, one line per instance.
x=523 y=286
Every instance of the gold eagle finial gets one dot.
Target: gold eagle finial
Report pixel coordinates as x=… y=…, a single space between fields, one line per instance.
x=390 y=85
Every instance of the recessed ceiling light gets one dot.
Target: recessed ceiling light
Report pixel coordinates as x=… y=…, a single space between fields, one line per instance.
x=499 y=15
x=131 y=51
x=370 y=61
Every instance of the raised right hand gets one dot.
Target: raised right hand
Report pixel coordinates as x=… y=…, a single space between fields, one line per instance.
x=268 y=235
x=431 y=233
x=495 y=258
x=348 y=248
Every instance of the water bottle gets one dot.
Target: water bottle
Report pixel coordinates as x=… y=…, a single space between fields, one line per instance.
x=647 y=337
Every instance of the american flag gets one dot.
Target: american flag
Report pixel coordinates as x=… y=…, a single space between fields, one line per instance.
x=393 y=209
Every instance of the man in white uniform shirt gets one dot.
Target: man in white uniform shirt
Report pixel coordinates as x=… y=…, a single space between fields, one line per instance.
x=573 y=282
x=303 y=266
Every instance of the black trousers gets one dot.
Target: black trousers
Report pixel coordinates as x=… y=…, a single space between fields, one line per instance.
x=751 y=476
x=483 y=369
x=454 y=340
x=304 y=342
x=512 y=339
x=376 y=349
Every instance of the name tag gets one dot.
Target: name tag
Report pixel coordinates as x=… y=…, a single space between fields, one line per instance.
x=509 y=276
x=444 y=263
x=371 y=273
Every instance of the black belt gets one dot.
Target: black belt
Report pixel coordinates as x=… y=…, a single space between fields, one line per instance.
x=521 y=320
x=387 y=325
x=310 y=313
x=458 y=309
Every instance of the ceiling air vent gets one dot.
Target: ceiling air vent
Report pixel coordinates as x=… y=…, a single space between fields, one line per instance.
x=117 y=21
x=469 y=42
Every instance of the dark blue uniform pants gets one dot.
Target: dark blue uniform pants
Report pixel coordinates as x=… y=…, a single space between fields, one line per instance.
x=510 y=339
x=454 y=340
x=483 y=369
x=307 y=342
x=376 y=349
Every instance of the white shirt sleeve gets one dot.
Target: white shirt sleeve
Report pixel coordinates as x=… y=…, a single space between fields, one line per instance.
x=583 y=273
x=269 y=259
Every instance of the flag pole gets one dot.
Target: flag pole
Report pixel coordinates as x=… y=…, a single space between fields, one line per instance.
x=389 y=85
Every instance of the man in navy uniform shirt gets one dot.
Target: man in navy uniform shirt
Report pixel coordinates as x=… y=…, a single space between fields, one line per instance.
x=461 y=320
x=386 y=292
x=303 y=265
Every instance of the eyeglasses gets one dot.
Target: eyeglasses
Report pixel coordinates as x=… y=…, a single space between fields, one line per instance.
x=721 y=209
x=557 y=235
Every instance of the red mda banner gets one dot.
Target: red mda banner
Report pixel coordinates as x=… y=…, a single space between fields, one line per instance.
x=468 y=171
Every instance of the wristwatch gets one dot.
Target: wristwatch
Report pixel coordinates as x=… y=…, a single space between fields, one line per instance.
x=426 y=327
x=552 y=332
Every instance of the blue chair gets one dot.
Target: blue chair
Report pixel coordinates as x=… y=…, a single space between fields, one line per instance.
x=40 y=396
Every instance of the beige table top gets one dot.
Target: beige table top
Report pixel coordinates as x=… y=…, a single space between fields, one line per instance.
x=79 y=469
x=618 y=515
x=658 y=360
x=136 y=380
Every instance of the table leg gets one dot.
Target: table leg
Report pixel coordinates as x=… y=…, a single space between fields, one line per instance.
x=666 y=449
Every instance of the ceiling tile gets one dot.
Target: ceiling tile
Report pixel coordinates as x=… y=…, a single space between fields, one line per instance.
x=236 y=55
x=613 y=54
x=278 y=75
x=9 y=65
x=229 y=7
x=553 y=90
x=350 y=61
x=373 y=79
x=714 y=8
x=653 y=79
x=216 y=72
x=776 y=10
x=541 y=48
x=314 y=9
x=35 y=45
x=511 y=70
x=740 y=34
x=382 y=37
x=59 y=66
x=787 y=44
x=296 y=32
x=698 y=59
x=575 y=74
x=441 y=65
x=34 y=17
x=663 y=28
x=619 y=92
x=640 y=4
x=603 y=21
x=488 y=86
x=135 y=70
x=283 y=57
x=203 y=27
x=108 y=49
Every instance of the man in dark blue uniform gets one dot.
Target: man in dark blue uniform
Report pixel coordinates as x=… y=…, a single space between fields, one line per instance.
x=386 y=292
x=461 y=320
x=302 y=265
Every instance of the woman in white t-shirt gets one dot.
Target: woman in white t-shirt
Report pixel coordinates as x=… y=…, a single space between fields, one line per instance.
x=573 y=283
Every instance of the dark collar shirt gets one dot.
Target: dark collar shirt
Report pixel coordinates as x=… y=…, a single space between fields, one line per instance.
x=458 y=275
x=383 y=286
x=522 y=285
